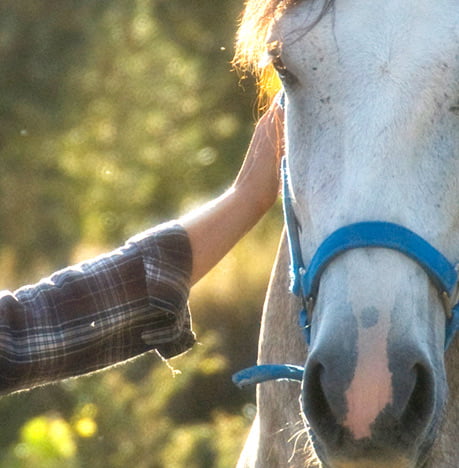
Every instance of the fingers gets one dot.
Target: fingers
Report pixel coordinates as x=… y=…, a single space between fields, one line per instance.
x=262 y=161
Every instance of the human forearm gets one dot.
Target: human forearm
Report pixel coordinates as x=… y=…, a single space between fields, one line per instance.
x=98 y=313
x=215 y=228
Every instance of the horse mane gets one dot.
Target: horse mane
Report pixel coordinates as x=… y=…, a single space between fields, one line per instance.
x=250 y=55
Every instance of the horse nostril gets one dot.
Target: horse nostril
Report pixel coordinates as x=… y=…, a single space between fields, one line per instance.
x=420 y=405
x=316 y=406
x=325 y=404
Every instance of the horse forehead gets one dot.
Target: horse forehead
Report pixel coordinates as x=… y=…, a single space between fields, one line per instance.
x=370 y=130
x=373 y=21
x=374 y=41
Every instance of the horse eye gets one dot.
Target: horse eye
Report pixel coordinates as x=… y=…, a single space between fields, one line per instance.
x=284 y=74
x=278 y=64
x=274 y=53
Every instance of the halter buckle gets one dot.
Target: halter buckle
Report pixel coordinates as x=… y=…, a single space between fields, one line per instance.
x=450 y=300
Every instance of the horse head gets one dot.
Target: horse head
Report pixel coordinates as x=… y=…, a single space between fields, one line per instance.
x=372 y=136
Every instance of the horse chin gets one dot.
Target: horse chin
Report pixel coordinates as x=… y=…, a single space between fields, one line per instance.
x=339 y=449
x=364 y=454
x=398 y=462
x=392 y=461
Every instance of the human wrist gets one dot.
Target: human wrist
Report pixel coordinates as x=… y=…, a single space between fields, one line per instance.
x=257 y=200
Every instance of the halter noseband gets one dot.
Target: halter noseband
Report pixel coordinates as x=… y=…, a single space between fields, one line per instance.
x=305 y=282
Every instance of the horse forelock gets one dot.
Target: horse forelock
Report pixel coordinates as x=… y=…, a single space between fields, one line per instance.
x=251 y=42
x=257 y=20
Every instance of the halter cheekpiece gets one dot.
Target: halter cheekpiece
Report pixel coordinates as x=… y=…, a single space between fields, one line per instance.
x=305 y=281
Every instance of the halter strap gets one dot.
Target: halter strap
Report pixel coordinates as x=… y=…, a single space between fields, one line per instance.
x=305 y=283
x=381 y=234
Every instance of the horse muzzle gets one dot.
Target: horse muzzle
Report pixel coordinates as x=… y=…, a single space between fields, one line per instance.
x=367 y=400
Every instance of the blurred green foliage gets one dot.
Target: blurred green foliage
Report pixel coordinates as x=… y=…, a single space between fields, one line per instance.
x=115 y=116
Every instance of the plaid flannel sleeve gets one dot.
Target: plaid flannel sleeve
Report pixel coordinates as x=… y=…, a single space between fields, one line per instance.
x=100 y=312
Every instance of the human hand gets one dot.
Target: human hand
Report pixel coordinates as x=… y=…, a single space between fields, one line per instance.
x=260 y=173
x=215 y=228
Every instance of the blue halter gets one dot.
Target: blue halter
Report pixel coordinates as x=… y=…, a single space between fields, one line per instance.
x=305 y=282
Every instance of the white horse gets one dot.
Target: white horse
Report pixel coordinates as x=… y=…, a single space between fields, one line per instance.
x=372 y=125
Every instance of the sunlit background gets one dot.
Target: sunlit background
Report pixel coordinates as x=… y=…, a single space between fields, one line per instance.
x=115 y=116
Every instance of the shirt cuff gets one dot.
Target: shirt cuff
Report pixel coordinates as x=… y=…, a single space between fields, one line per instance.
x=167 y=259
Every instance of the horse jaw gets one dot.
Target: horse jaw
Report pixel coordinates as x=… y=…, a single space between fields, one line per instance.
x=278 y=437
